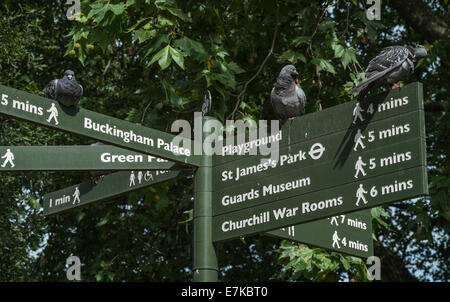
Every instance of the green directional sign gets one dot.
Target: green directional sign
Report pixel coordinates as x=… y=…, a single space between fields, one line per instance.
x=385 y=146
x=49 y=113
x=349 y=234
x=109 y=186
x=79 y=158
x=330 y=121
x=358 y=195
x=370 y=154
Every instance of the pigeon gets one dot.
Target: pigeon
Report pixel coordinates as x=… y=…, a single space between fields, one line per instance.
x=206 y=106
x=392 y=64
x=288 y=99
x=66 y=91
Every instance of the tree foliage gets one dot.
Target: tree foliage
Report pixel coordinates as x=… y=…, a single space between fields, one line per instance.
x=149 y=62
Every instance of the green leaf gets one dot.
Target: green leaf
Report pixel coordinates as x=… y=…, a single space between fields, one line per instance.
x=191 y=48
x=117 y=9
x=170 y=6
x=177 y=57
x=323 y=65
x=301 y=40
x=291 y=56
x=235 y=68
x=98 y=11
x=165 y=59
x=143 y=35
x=104 y=38
x=102 y=222
x=80 y=216
x=348 y=56
x=133 y=27
x=163 y=22
x=156 y=44
x=339 y=51
x=162 y=57
x=190 y=214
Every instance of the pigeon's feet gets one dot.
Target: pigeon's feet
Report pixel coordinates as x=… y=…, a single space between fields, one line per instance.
x=291 y=118
x=395 y=86
x=96 y=179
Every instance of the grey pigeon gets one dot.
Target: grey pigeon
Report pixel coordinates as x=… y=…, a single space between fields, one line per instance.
x=288 y=99
x=391 y=65
x=66 y=91
x=206 y=106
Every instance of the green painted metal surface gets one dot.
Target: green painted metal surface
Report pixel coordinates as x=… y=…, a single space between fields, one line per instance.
x=205 y=266
x=367 y=193
x=108 y=187
x=332 y=120
x=297 y=179
x=32 y=108
x=348 y=233
x=80 y=158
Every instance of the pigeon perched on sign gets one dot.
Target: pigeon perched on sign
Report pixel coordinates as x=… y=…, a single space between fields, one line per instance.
x=288 y=99
x=391 y=65
x=66 y=91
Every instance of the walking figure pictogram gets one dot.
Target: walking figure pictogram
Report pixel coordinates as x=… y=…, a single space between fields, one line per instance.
x=359 y=167
x=139 y=176
x=358 y=140
x=357 y=113
x=9 y=158
x=360 y=195
x=334 y=218
x=76 y=195
x=132 y=178
x=53 y=114
x=336 y=240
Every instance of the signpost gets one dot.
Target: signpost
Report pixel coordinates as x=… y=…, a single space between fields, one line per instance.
x=373 y=192
x=349 y=234
x=378 y=158
x=332 y=167
x=337 y=119
x=49 y=113
x=79 y=158
x=110 y=186
x=240 y=186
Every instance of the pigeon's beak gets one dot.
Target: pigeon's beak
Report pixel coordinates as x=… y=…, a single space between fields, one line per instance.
x=420 y=53
x=69 y=76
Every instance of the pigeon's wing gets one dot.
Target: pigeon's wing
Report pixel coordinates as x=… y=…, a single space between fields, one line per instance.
x=50 y=90
x=387 y=60
x=301 y=98
x=76 y=89
x=278 y=106
x=68 y=92
x=81 y=90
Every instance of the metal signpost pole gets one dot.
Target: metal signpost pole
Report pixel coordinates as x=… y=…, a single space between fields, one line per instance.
x=205 y=259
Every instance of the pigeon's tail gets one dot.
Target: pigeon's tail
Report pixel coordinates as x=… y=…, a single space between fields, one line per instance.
x=362 y=89
x=358 y=89
x=363 y=85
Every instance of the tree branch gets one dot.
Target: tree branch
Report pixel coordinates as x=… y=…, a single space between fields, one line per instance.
x=239 y=97
x=422 y=19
